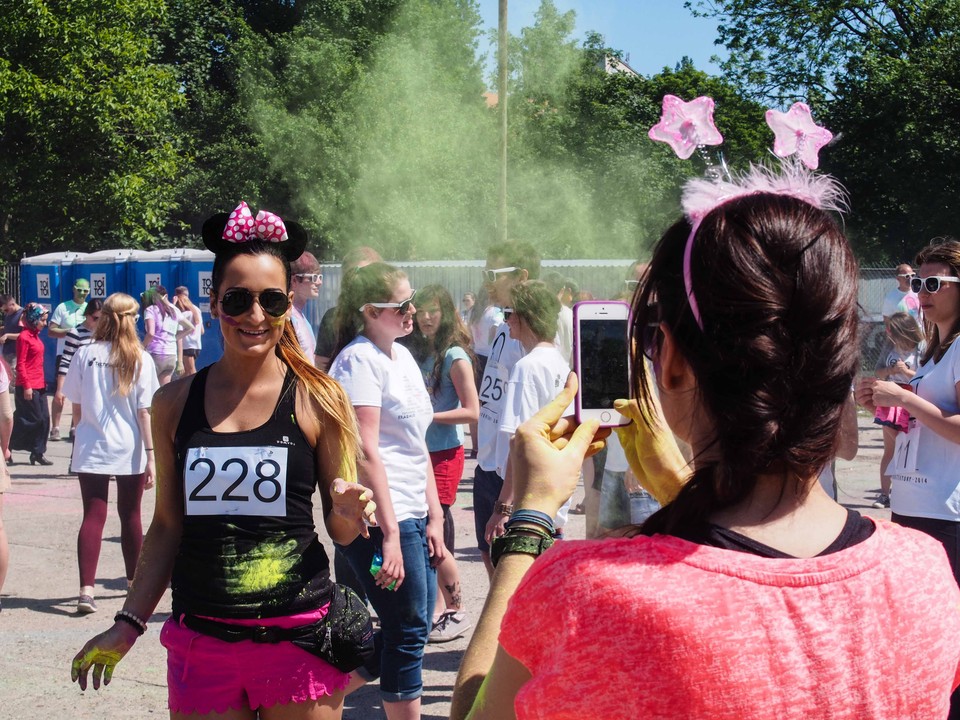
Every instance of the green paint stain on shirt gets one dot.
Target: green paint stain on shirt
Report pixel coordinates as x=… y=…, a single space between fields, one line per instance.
x=265 y=567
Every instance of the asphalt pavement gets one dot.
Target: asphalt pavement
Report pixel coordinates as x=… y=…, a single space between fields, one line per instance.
x=40 y=630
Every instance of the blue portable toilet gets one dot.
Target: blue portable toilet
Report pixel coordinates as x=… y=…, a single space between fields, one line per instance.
x=48 y=279
x=196 y=271
x=106 y=270
x=149 y=268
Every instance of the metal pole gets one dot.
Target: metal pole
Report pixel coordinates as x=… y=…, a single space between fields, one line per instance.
x=502 y=39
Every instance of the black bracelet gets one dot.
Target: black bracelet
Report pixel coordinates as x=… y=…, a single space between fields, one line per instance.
x=132 y=620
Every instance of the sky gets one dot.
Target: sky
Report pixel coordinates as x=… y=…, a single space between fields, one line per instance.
x=653 y=33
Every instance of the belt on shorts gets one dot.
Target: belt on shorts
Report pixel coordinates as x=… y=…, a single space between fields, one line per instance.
x=343 y=637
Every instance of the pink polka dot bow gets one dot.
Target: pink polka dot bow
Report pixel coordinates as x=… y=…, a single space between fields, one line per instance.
x=242 y=227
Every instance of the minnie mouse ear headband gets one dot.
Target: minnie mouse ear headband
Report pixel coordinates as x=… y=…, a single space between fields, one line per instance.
x=688 y=127
x=226 y=233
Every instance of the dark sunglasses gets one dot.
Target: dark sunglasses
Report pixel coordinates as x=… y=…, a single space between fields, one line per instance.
x=237 y=301
x=931 y=284
x=507 y=312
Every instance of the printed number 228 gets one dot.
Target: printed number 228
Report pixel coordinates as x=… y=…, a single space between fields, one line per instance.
x=228 y=494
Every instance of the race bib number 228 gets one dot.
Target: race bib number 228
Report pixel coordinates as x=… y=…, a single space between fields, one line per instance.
x=236 y=481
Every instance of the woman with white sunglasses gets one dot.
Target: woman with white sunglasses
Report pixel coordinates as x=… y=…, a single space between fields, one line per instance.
x=926 y=487
x=396 y=563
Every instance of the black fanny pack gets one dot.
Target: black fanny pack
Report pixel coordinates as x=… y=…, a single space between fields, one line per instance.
x=343 y=637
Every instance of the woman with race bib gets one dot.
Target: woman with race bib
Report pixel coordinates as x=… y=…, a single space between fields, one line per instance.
x=926 y=486
x=396 y=564
x=240 y=449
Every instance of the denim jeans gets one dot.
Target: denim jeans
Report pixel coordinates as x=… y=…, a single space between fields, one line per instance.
x=619 y=508
x=406 y=614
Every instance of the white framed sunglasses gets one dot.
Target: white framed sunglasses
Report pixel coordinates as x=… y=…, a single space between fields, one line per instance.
x=309 y=277
x=402 y=308
x=491 y=275
x=931 y=284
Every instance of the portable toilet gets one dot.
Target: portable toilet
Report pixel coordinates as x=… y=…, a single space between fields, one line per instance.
x=196 y=271
x=106 y=270
x=48 y=279
x=150 y=268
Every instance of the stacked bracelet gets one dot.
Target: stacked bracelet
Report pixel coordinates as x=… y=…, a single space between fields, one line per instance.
x=130 y=619
x=532 y=517
x=524 y=540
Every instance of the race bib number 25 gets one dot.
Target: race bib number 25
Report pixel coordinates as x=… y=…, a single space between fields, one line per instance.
x=236 y=481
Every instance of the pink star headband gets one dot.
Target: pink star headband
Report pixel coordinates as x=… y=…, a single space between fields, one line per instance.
x=242 y=227
x=687 y=127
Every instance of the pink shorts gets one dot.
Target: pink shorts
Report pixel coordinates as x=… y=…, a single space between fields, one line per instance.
x=207 y=675
x=448 y=469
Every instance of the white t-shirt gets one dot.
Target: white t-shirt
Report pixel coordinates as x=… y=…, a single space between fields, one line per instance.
x=564 y=338
x=483 y=329
x=504 y=354
x=933 y=490
x=305 y=334
x=67 y=315
x=108 y=439
x=898 y=301
x=193 y=340
x=536 y=379
x=616 y=457
x=373 y=379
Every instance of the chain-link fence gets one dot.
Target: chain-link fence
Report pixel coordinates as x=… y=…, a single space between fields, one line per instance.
x=603 y=278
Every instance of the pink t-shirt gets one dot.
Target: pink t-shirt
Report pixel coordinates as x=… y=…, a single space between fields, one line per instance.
x=659 y=627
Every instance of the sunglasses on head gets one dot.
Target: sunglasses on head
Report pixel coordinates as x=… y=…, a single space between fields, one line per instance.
x=402 y=308
x=491 y=275
x=237 y=301
x=931 y=284
x=310 y=277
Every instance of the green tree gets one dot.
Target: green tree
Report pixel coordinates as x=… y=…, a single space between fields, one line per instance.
x=783 y=49
x=87 y=144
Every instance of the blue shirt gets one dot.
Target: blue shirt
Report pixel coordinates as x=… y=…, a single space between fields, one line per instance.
x=442 y=436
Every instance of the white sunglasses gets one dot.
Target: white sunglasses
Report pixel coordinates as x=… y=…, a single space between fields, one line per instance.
x=402 y=308
x=931 y=284
x=491 y=275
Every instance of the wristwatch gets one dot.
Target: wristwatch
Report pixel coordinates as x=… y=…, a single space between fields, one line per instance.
x=526 y=544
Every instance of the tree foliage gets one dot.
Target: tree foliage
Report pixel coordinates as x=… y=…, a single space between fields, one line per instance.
x=87 y=146
x=884 y=77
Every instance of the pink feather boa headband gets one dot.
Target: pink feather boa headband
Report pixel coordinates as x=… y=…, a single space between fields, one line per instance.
x=689 y=126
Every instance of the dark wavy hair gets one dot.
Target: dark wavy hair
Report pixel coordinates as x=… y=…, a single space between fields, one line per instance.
x=451 y=333
x=776 y=284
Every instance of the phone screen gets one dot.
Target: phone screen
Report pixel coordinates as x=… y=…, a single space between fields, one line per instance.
x=603 y=362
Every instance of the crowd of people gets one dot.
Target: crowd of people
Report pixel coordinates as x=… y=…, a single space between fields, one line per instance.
x=739 y=587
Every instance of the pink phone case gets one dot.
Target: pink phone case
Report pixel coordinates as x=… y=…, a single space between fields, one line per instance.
x=578 y=311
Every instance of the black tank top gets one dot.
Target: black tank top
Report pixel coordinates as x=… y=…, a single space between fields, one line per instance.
x=249 y=547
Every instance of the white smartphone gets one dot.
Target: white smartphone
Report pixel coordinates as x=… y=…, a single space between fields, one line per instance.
x=601 y=359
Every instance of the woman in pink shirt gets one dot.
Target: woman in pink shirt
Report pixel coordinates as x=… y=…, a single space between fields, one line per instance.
x=752 y=595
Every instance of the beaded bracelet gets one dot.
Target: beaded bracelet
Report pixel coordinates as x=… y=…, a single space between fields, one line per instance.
x=130 y=619
x=533 y=517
